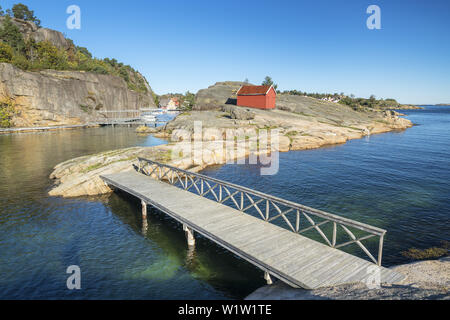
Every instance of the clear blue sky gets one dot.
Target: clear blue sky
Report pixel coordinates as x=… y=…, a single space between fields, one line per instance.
x=314 y=46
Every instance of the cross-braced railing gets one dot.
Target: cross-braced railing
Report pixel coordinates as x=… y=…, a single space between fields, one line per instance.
x=297 y=218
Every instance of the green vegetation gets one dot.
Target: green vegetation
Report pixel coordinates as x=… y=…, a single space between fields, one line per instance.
x=188 y=101
x=94 y=167
x=303 y=114
x=426 y=254
x=165 y=157
x=292 y=133
x=102 y=165
x=269 y=82
x=358 y=104
x=156 y=99
x=351 y=128
x=361 y=104
x=6 y=53
x=314 y=95
x=32 y=56
x=7 y=110
x=21 y=11
x=85 y=108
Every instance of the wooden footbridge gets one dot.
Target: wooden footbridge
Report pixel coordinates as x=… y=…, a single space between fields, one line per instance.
x=275 y=235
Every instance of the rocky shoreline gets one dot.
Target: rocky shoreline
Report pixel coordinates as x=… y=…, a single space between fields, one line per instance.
x=425 y=280
x=227 y=135
x=224 y=136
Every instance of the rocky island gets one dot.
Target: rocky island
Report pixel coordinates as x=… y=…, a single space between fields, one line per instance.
x=299 y=123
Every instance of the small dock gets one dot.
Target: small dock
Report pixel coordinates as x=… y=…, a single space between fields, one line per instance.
x=48 y=128
x=243 y=221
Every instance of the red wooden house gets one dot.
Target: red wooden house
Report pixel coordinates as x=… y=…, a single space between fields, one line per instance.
x=260 y=97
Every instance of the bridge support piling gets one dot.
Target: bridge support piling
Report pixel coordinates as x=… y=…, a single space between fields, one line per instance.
x=268 y=278
x=189 y=236
x=144 y=218
x=144 y=210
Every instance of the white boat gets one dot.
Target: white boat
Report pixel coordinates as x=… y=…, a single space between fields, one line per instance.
x=148 y=118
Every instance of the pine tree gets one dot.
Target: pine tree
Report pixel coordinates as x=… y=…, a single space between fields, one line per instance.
x=21 y=11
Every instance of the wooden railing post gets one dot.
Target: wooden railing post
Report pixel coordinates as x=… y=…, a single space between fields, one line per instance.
x=380 y=250
x=334 y=234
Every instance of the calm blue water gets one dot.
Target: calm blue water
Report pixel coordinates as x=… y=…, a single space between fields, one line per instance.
x=40 y=236
x=397 y=181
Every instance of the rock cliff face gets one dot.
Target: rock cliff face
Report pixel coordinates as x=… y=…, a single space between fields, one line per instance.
x=214 y=97
x=31 y=31
x=50 y=98
x=66 y=97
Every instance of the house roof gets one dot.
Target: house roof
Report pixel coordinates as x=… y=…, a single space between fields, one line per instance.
x=253 y=90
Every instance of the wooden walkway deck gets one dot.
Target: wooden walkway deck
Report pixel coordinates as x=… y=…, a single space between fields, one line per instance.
x=290 y=257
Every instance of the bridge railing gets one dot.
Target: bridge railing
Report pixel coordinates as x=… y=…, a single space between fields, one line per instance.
x=297 y=218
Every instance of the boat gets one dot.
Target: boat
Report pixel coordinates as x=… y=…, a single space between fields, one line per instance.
x=148 y=118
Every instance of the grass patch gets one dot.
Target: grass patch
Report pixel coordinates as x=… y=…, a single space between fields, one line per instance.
x=292 y=134
x=223 y=116
x=94 y=167
x=267 y=128
x=351 y=128
x=165 y=157
x=101 y=164
x=303 y=114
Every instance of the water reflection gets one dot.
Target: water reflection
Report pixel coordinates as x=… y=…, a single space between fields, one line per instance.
x=40 y=236
x=206 y=262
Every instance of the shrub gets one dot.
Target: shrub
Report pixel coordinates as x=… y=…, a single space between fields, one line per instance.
x=10 y=34
x=84 y=51
x=21 y=62
x=6 y=53
x=50 y=56
x=7 y=111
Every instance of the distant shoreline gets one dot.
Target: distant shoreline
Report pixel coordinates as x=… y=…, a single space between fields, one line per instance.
x=408 y=107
